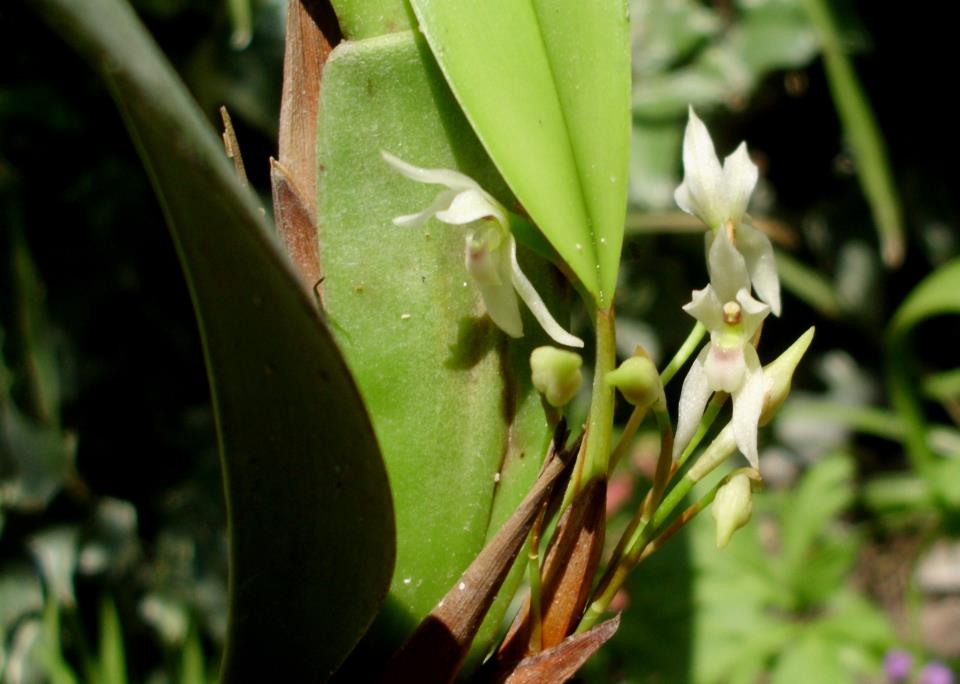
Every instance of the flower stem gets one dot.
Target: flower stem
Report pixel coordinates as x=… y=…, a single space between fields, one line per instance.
x=596 y=450
x=645 y=527
x=640 y=412
x=683 y=353
x=626 y=437
x=536 y=614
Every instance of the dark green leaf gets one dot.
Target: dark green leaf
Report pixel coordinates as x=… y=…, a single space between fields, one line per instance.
x=311 y=525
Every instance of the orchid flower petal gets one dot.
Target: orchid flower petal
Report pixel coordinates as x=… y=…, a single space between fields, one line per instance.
x=484 y=261
x=500 y=301
x=725 y=368
x=491 y=258
x=706 y=308
x=693 y=400
x=701 y=192
x=739 y=179
x=747 y=405
x=537 y=307
x=728 y=270
x=472 y=205
x=440 y=202
x=752 y=313
x=452 y=179
x=758 y=254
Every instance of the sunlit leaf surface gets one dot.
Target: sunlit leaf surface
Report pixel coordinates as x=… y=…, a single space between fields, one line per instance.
x=546 y=86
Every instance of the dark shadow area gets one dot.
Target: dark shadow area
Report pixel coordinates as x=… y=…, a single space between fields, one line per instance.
x=476 y=336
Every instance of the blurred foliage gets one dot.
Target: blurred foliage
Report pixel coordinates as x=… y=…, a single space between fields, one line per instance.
x=106 y=439
x=776 y=600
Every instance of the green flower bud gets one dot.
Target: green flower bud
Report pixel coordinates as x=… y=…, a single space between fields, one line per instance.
x=556 y=374
x=779 y=374
x=732 y=506
x=638 y=381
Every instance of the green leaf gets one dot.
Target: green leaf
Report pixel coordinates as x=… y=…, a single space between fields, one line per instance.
x=811 y=658
x=666 y=32
x=112 y=665
x=546 y=86
x=943 y=386
x=449 y=395
x=311 y=526
x=35 y=459
x=862 y=133
x=369 y=18
x=192 y=666
x=773 y=35
x=936 y=295
x=35 y=336
x=825 y=491
x=807 y=284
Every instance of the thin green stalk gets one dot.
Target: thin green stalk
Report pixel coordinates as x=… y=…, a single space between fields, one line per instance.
x=626 y=437
x=641 y=533
x=640 y=519
x=685 y=352
x=639 y=413
x=664 y=460
x=596 y=451
x=533 y=572
x=536 y=612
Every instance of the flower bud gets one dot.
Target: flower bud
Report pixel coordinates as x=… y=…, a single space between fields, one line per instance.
x=638 y=381
x=732 y=506
x=556 y=374
x=779 y=373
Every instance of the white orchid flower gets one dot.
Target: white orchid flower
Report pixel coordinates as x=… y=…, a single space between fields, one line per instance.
x=718 y=196
x=491 y=250
x=729 y=363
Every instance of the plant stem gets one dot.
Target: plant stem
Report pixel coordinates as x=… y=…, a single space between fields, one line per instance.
x=596 y=450
x=683 y=353
x=641 y=531
x=664 y=460
x=639 y=413
x=533 y=570
x=626 y=437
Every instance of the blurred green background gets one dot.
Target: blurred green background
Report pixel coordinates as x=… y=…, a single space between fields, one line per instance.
x=112 y=547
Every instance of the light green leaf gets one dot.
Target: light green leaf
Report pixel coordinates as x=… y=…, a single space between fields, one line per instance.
x=546 y=85
x=812 y=658
x=665 y=32
x=825 y=491
x=311 y=525
x=112 y=665
x=192 y=666
x=772 y=35
x=943 y=386
x=862 y=132
x=655 y=164
x=36 y=337
x=449 y=395
x=370 y=18
x=807 y=284
x=936 y=295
